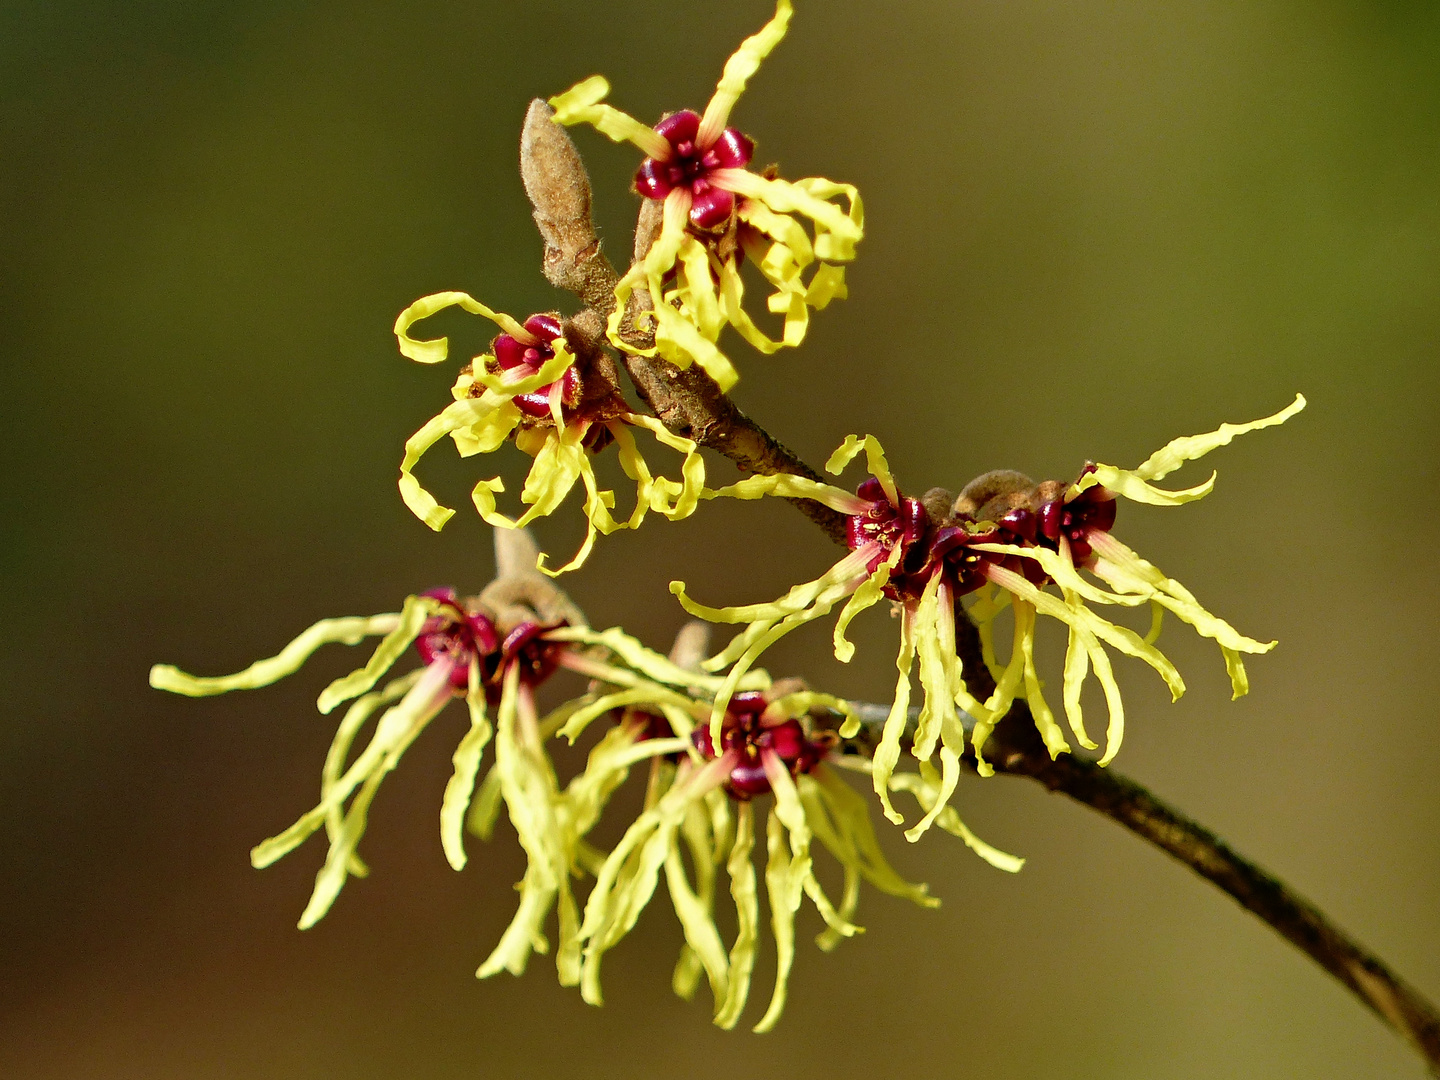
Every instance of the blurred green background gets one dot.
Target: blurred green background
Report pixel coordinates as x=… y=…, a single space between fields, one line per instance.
x=1091 y=228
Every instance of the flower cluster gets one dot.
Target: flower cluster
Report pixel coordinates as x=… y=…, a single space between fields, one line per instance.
x=720 y=743
x=493 y=651
x=717 y=212
x=557 y=396
x=1007 y=539
x=700 y=803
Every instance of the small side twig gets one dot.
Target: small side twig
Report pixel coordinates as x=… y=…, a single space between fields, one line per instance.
x=690 y=404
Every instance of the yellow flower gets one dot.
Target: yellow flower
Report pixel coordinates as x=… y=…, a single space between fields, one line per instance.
x=558 y=408
x=1007 y=539
x=492 y=651
x=715 y=209
x=699 y=803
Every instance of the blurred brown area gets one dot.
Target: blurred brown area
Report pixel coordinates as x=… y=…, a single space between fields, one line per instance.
x=1091 y=228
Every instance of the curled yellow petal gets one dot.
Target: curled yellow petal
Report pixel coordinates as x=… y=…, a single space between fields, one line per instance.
x=436 y=349
x=458 y=415
x=837 y=232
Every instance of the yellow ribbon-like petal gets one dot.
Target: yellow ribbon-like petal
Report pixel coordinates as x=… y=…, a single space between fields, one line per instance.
x=1135 y=483
x=347 y=631
x=436 y=349
x=581 y=104
x=458 y=790
x=738 y=70
x=407 y=628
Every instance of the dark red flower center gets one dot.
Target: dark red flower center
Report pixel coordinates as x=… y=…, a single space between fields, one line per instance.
x=746 y=731
x=1092 y=511
x=884 y=523
x=457 y=636
x=689 y=165
x=536 y=657
x=525 y=359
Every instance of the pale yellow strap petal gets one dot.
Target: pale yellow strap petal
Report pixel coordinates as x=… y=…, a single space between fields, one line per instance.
x=1135 y=483
x=412 y=620
x=583 y=717
x=887 y=751
x=852 y=820
x=1040 y=710
x=782 y=917
x=698 y=924
x=581 y=105
x=1178 y=451
x=1120 y=562
x=792 y=813
x=396 y=730
x=738 y=69
x=346 y=631
x=360 y=711
x=789 y=486
x=925 y=793
x=1235 y=668
x=337 y=789
x=1006 y=687
x=1115 y=729
x=523 y=936
x=466 y=761
x=485 y=807
x=1119 y=637
x=646 y=661
x=747 y=919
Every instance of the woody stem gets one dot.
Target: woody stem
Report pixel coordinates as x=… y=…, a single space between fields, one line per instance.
x=1015 y=749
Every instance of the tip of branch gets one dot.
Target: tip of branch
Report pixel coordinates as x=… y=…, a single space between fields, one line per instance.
x=555 y=179
x=691 y=646
x=515 y=552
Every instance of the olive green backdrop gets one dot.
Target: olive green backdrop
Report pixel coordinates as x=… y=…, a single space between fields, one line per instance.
x=1091 y=228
